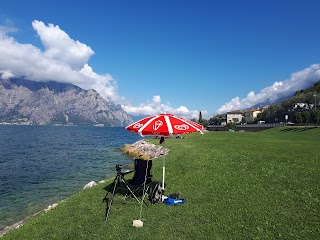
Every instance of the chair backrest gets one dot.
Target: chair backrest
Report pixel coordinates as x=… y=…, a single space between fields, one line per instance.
x=141 y=167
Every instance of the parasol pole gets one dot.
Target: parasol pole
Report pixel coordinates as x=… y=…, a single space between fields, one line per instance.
x=170 y=130
x=163 y=162
x=163 y=170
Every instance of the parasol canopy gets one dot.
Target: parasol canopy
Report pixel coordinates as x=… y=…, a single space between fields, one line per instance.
x=164 y=125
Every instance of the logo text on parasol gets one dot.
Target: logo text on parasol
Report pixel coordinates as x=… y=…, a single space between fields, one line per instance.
x=137 y=125
x=157 y=124
x=181 y=127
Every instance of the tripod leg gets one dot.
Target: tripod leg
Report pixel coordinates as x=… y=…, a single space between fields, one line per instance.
x=115 y=182
x=105 y=199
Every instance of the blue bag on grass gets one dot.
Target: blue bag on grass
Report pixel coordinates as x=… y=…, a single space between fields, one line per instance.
x=173 y=201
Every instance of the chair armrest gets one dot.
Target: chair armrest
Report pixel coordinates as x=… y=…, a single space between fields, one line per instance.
x=127 y=171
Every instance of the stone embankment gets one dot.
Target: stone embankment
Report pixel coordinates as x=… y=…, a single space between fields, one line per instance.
x=145 y=150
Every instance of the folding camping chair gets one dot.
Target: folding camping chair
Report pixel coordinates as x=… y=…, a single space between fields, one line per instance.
x=142 y=178
x=138 y=186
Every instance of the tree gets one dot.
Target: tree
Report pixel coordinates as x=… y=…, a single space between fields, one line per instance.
x=200 y=118
x=205 y=122
x=305 y=116
x=298 y=116
x=230 y=125
x=217 y=119
x=315 y=116
x=259 y=116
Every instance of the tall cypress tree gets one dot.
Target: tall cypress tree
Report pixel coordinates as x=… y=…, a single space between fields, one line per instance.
x=200 y=118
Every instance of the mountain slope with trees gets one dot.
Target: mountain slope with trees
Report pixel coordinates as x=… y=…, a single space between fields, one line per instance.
x=310 y=112
x=309 y=98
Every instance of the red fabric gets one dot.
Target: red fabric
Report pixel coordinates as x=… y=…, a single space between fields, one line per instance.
x=164 y=125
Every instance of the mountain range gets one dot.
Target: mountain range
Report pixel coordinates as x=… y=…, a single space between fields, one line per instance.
x=50 y=103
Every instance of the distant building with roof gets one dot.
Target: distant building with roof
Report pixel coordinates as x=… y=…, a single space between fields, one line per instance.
x=235 y=116
x=240 y=116
x=252 y=114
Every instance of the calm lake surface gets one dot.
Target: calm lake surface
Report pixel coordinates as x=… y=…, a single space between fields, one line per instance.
x=42 y=165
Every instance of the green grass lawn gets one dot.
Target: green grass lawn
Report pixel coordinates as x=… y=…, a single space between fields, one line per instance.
x=237 y=185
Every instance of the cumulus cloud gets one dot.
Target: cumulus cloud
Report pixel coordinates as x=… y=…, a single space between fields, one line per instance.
x=156 y=99
x=66 y=60
x=63 y=59
x=60 y=47
x=297 y=81
x=155 y=107
x=6 y=75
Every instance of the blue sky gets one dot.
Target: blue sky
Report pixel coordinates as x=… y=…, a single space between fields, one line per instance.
x=174 y=56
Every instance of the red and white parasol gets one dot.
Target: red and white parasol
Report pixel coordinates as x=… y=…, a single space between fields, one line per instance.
x=164 y=125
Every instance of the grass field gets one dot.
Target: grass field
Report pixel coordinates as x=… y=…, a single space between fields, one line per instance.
x=237 y=185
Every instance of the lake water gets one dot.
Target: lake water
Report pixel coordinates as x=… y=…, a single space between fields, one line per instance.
x=42 y=165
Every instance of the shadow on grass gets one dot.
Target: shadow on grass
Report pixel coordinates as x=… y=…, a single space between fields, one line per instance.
x=297 y=129
x=121 y=186
x=118 y=187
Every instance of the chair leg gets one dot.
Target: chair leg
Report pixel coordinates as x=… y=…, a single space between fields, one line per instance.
x=130 y=189
x=145 y=193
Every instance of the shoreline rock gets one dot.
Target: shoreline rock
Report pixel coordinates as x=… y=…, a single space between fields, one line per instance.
x=145 y=150
x=89 y=185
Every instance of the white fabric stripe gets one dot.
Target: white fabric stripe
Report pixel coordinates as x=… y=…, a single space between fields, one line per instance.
x=170 y=130
x=135 y=122
x=189 y=124
x=145 y=125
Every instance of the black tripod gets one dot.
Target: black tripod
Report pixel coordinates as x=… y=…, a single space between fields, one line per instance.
x=115 y=186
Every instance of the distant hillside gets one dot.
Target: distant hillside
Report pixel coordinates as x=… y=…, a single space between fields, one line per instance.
x=283 y=96
x=276 y=112
x=50 y=102
x=308 y=97
x=315 y=89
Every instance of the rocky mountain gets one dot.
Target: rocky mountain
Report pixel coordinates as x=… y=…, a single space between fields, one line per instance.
x=44 y=103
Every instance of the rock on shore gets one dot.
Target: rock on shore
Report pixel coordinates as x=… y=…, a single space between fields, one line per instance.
x=145 y=150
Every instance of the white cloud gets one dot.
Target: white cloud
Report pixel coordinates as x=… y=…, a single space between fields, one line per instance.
x=6 y=74
x=156 y=107
x=66 y=60
x=156 y=99
x=63 y=60
x=297 y=81
x=60 y=47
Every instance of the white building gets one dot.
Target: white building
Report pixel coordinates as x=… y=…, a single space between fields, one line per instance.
x=235 y=116
x=251 y=115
